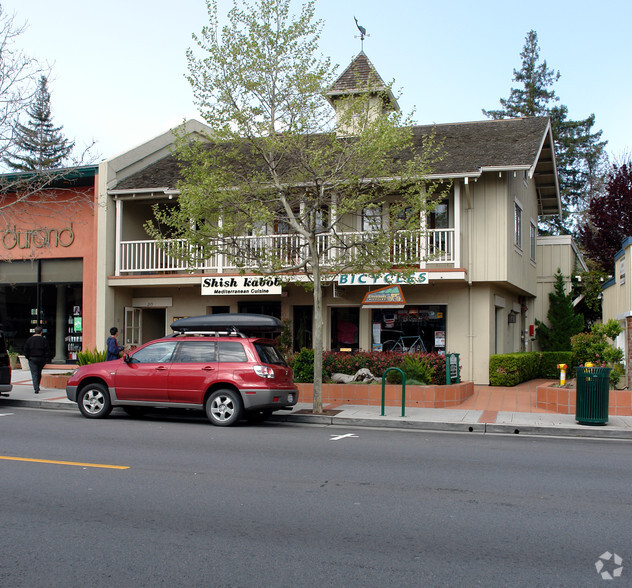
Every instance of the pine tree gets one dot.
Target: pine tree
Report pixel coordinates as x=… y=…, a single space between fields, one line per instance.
x=38 y=144
x=578 y=149
x=562 y=317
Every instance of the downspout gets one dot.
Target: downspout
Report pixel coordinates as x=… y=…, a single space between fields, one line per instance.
x=468 y=200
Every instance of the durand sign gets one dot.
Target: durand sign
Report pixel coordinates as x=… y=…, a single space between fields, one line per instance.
x=14 y=237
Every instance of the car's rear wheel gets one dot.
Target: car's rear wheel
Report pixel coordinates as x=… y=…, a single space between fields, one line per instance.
x=94 y=401
x=223 y=408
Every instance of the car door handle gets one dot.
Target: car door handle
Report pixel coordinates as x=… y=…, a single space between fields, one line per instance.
x=208 y=368
x=161 y=368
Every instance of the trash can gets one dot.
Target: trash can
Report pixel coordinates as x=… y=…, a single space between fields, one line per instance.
x=593 y=389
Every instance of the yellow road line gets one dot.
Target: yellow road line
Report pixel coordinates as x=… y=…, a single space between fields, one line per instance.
x=72 y=463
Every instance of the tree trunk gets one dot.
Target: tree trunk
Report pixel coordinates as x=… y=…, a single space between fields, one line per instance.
x=317 y=335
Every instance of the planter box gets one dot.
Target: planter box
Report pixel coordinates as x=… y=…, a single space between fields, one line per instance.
x=14 y=362
x=24 y=362
x=371 y=394
x=55 y=381
x=564 y=400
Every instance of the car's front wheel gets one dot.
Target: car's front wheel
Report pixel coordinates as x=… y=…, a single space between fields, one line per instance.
x=94 y=401
x=223 y=408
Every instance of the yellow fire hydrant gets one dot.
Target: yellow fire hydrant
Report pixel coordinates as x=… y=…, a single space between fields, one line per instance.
x=562 y=367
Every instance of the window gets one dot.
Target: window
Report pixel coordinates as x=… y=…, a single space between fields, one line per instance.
x=196 y=352
x=439 y=218
x=372 y=218
x=344 y=328
x=230 y=351
x=622 y=271
x=517 y=225
x=533 y=234
x=269 y=354
x=155 y=353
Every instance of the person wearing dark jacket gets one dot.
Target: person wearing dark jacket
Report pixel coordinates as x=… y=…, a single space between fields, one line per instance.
x=113 y=348
x=37 y=352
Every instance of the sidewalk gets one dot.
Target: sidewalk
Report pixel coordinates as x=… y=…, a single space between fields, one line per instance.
x=489 y=410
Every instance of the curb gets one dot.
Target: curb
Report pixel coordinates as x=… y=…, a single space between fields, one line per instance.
x=581 y=432
x=38 y=404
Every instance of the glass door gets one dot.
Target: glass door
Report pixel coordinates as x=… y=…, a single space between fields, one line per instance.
x=133 y=326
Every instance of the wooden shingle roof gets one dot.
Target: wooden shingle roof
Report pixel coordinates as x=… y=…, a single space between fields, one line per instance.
x=359 y=77
x=469 y=149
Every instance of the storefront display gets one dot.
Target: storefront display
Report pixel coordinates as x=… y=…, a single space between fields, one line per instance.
x=410 y=329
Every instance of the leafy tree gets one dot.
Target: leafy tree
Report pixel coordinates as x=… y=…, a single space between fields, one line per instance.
x=609 y=221
x=594 y=346
x=579 y=149
x=589 y=291
x=279 y=162
x=38 y=144
x=562 y=317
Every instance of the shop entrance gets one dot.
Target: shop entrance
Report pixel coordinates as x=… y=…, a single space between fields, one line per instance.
x=302 y=327
x=54 y=307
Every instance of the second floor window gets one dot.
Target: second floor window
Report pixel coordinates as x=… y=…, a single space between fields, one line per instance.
x=438 y=218
x=517 y=225
x=372 y=218
x=533 y=235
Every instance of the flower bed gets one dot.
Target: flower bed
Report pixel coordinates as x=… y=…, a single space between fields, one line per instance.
x=371 y=394
x=563 y=400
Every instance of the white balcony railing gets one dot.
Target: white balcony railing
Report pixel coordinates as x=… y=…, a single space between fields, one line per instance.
x=137 y=257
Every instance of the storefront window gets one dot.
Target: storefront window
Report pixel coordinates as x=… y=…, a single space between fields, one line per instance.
x=269 y=308
x=345 y=328
x=410 y=329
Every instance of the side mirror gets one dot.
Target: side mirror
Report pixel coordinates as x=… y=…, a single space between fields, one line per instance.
x=127 y=358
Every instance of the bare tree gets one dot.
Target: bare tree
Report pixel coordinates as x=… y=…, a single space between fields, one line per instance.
x=19 y=76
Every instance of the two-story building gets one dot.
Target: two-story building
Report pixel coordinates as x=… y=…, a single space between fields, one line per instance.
x=473 y=295
x=617 y=302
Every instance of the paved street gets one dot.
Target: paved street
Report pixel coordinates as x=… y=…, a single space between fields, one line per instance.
x=286 y=504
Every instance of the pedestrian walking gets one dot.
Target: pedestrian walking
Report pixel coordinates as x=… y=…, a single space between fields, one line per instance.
x=113 y=348
x=37 y=352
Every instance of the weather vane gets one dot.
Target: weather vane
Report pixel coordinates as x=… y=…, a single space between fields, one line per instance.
x=362 y=33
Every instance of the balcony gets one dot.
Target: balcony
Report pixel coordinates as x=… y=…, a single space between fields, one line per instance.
x=436 y=247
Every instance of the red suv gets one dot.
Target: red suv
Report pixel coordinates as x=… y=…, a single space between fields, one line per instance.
x=215 y=362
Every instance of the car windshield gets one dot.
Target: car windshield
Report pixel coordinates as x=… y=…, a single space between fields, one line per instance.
x=269 y=354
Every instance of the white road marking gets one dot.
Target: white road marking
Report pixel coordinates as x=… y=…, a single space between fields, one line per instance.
x=338 y=437
x=6 y=414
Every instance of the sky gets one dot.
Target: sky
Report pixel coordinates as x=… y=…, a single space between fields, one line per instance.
x=118 y=67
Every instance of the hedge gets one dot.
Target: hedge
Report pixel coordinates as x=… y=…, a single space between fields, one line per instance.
x=510 y=369
x=349 y=363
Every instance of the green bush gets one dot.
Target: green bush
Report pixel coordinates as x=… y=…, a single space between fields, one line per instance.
x=551 y=359
x=90 y=356
x=375 y=361
x=302 y=363
x=509 y=369
x=594 y=346
x=416 y=368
